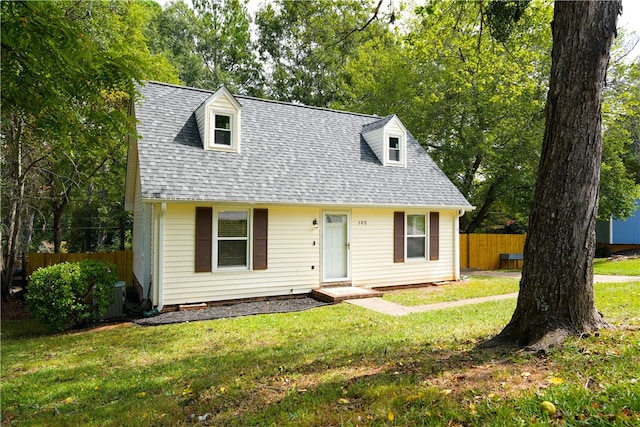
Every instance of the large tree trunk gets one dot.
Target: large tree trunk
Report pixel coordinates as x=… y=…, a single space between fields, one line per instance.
x=556 y=291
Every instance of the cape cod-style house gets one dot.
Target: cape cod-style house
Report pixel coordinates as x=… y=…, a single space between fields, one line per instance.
x=235 y=197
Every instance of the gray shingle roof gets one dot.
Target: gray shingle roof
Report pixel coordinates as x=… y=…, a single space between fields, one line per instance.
x=368 y=127
x=290 y=154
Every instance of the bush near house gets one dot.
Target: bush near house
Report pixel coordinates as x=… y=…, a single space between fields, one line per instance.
x=72 y=293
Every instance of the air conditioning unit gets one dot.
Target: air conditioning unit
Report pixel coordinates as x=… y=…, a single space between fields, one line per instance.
x=116 y=310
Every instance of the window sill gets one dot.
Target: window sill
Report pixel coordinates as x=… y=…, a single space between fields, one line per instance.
x=226 y=148
x=231 y=269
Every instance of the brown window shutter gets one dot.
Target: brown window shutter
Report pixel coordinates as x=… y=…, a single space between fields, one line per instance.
x=260 y=223
x=204 y=236
x=434 y=236
x=398 y=237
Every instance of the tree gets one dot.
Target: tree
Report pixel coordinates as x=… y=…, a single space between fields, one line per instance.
x=304 y=46
x=556 y=297
x=65 y=96
x=210 y=44
x=476 y=104
x=620 y=175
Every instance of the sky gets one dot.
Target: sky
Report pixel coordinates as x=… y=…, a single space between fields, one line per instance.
x=630 y=20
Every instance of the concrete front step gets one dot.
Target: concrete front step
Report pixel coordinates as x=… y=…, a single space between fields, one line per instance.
x=341 y=293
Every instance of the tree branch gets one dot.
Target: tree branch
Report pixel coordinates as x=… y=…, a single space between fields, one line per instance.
x=354 y=30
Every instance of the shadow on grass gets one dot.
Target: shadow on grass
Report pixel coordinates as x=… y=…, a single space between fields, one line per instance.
x=334 y=366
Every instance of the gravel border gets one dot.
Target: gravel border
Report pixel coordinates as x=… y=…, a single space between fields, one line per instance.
x=287 y=305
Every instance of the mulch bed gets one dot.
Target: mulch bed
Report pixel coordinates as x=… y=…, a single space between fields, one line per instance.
x=233 y=310
x=14 y=310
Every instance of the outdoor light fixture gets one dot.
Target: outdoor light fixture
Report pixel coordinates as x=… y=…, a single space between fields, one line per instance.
x=315 y=222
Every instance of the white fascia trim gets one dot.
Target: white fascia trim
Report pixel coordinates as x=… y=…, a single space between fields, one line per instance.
x=326 y=205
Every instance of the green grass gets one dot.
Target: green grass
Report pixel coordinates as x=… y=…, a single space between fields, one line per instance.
x=336 y=365
x=474 y=287
x=628 y=267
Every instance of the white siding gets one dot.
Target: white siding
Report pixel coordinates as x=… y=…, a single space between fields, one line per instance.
x=294 y=247
x=375 y=140
x=394 y=127
x=291 y=255
x=141 y=240
x=201 y=120
x=223 y=103
x=372 y=251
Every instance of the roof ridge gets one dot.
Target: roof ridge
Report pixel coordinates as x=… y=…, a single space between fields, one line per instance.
x=177 y=86
x=312 y=107
x=273 y=101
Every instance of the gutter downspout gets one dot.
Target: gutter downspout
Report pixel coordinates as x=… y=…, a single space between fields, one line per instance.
x=163 y=210
x=456 y=245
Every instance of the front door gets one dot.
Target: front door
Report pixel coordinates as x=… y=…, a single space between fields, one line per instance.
x=336 y=247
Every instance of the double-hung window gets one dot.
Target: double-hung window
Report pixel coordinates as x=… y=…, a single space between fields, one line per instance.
x=227 y=238
x=232 y=238
x=222 y=130
x=410 y=237
x=416 y=236
x=394 y=149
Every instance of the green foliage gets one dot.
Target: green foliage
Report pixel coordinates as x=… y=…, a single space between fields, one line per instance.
x=503 y=15
x=477 y=105
x=69 y=75
x=620 y=174
x=305 y=45
x=210 y=45
x=71 y=293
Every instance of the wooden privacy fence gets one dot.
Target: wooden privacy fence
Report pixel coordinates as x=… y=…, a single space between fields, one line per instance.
x=122 y=259
x=482 y=251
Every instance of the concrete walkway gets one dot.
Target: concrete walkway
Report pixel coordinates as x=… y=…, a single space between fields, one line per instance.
x=394 y=309
x=597 y=278
x=387 y=307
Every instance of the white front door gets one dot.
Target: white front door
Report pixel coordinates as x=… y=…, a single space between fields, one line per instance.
x=336 y=246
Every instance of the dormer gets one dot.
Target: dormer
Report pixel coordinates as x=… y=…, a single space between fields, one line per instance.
x=218 y=121
x=387 y=138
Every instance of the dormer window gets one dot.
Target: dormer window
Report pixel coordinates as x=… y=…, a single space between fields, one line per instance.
x=218 y=120
x=222 y=130
x=222 y=135
x=394 y=149
x=387 y=138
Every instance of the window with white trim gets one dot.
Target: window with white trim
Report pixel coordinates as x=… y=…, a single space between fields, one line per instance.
x=222 y=130
x=416 y=236
x=394 y=149
x=232 y=238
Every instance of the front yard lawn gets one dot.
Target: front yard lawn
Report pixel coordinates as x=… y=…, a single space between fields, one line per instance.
x=625 y=267
x=338 y=365
x=473 y=287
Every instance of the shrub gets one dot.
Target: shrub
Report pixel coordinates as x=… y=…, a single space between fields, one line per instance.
x=71 y=293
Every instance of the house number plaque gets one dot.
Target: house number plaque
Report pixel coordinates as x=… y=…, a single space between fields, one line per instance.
x=362 y=222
